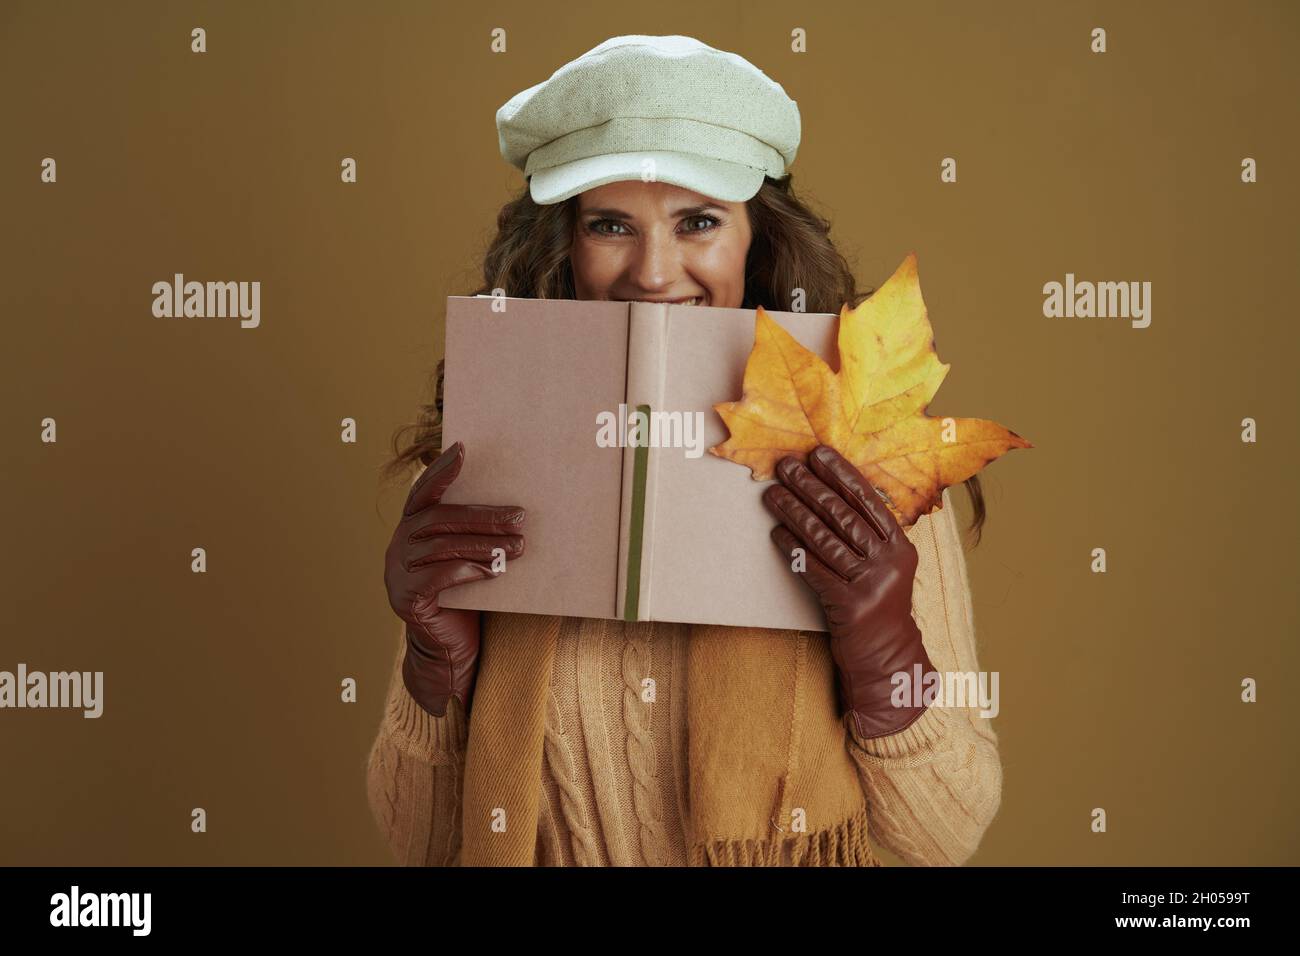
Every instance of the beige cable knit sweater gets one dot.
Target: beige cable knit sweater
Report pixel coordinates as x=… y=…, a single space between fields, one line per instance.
x=614 y=773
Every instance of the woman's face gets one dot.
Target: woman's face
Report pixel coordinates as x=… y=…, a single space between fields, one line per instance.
x=658 y=242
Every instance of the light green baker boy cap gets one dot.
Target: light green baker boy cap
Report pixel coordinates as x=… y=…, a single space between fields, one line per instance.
x=711 y=121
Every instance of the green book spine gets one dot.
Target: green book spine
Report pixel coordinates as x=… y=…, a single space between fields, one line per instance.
x=636 y=527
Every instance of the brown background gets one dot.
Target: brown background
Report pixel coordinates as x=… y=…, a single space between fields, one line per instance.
x=222 y=690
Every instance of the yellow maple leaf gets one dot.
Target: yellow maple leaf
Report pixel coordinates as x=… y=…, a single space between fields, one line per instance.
x=872 y=411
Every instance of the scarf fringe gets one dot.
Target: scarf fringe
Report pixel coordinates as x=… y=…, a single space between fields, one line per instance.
x=844 y=844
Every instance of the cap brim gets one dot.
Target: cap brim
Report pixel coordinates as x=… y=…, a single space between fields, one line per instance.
x=715 y=178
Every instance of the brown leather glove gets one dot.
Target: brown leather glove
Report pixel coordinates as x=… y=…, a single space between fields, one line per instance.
x=862 y=565
x=437 y=546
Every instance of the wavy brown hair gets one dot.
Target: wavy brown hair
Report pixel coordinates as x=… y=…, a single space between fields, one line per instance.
x=791 y=249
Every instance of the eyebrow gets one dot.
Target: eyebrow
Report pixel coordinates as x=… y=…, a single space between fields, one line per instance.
x=611 y=213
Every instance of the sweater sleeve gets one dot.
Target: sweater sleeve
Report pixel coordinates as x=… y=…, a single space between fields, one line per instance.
x=414 y=776
x=933 y=788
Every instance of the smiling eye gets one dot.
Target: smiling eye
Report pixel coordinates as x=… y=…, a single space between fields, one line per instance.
x=595 y=223
x=711 y=220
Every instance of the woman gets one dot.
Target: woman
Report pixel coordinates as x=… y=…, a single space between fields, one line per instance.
x=741 y=727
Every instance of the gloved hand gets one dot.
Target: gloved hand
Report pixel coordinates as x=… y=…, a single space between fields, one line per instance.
x=862 y=565
x=437 y=546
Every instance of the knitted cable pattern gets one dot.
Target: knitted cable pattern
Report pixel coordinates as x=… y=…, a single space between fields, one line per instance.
x=893 y=822
x=640 y=746
x=560 y=757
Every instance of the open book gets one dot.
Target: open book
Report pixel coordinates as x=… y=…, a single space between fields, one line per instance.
x=628 y=515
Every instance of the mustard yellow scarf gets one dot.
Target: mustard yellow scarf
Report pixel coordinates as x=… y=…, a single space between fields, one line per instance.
x=771 y=779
